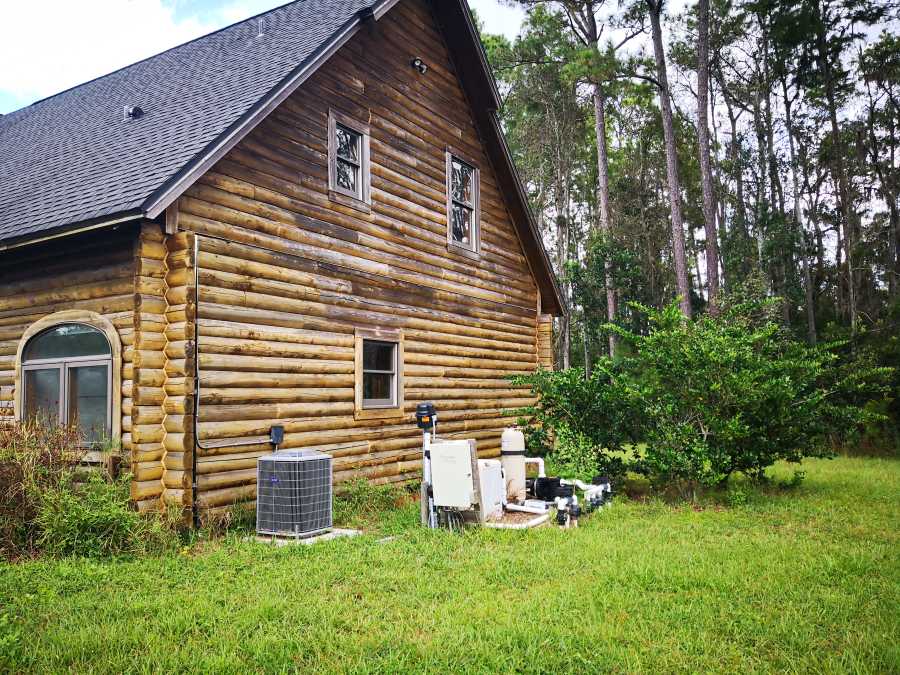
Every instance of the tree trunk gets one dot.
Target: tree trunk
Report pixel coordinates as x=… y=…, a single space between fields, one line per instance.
x=587 y=351
x=840 y=171
x=681 y=274
x=889 y=194
x=709 y=207
x=717 y=173
x=895 y=230
x=737 y=168
x=761 y=208
x=798 y=220
x=603 y=203
x=562 y=239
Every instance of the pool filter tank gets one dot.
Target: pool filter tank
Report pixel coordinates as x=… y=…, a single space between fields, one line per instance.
x=512 y=457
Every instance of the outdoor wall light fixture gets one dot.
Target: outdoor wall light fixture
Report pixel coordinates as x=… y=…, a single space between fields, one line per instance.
x=419 y=65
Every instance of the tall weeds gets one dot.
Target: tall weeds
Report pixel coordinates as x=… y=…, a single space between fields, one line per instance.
x=35 y=457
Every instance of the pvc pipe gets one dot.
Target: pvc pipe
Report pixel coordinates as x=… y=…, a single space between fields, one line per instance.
x=534 y=522
x=524 y=509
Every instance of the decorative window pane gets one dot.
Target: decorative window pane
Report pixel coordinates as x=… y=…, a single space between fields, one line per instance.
x=462 y=183
x=462 y=202
x=461 y=224
x=379 y=378
x=348 y=157
x=347 y=143
x=65 y=341
x=88 y=389
x=378 y=388
x=67 y=378
x=42 y=395
x=346 y=175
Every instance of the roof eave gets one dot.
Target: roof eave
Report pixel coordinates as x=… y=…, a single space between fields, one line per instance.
x=69 y=229
x=169 y=191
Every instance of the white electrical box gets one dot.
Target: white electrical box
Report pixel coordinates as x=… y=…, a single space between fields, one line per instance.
x=492 y=488
x=451 y=474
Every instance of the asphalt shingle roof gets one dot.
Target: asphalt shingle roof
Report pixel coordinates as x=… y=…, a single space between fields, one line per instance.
x=73 y=157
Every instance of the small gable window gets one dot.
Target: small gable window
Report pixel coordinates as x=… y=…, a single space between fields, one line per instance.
x=463 y=212
x=348 y=159
x=67 y=378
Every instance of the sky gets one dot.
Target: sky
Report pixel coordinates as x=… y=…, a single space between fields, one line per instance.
x=47 y=46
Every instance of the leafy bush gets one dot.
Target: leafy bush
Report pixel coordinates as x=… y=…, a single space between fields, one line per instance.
x=575 y=456
x=707 y=398
x=736 y=394
x=598 y=408
x=34 y=458
x=736 y=497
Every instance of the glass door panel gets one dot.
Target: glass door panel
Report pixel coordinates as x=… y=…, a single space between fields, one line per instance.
x=43 y=395
x=88 y=400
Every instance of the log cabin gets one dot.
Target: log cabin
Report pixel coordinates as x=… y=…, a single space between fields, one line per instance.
x=309 y=219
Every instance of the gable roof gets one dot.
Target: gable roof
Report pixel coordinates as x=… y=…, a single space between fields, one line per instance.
x=73 y=160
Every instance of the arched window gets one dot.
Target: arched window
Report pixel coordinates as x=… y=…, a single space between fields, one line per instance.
x=66 y=373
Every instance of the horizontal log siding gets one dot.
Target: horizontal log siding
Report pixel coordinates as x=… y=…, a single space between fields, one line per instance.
x=94 y=272
x=545 y=341
x=286 y=274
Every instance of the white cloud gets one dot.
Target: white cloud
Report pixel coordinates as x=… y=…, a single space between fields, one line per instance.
x=502 y=19
x=51 y=46
x=47 y=46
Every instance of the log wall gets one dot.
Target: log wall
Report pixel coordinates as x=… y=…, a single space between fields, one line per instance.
x=545 y=342
x=178 y=405
x=92 y=273
x=287 y=274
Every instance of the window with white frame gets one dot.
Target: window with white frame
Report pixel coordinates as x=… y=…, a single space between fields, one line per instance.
x=463 y=212
x=66 y=379
x=348 y=157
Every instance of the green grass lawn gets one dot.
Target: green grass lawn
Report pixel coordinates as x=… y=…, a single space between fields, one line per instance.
x=803 y=579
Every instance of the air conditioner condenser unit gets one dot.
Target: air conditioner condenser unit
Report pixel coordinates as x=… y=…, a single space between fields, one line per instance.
x=294 y=493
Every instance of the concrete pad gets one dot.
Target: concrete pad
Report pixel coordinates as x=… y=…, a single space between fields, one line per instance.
x=289 y=541
x=518 y=520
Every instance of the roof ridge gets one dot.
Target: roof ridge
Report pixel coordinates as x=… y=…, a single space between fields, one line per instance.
x=153 y=56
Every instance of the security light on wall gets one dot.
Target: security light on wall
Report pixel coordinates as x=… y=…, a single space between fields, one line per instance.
x=419 y=65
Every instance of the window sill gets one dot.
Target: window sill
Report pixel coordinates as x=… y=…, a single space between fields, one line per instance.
x=347 y=200
x=378 y=413
x=463 y=250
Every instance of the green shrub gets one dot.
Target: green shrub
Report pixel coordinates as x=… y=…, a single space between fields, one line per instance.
x=95 y=519
x=736 y=496
x=34 y=458
x=705 y=399
x=795 y=481
x=358 y=500
x=575 y=456
x=584 y=424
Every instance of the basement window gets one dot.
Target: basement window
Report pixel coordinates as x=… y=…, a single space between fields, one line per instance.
x=379 y=373
x=348 y=160
x=463 y=209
